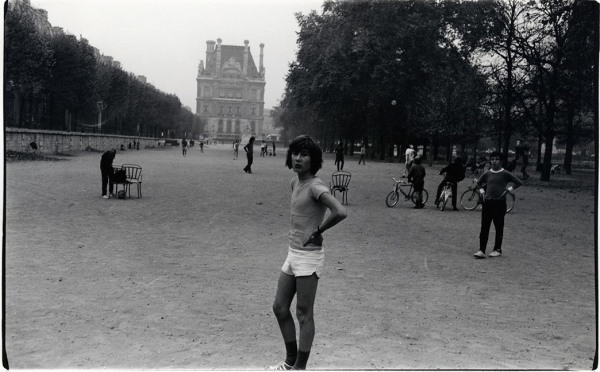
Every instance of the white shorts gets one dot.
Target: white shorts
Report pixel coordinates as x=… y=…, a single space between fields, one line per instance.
x=304 y=263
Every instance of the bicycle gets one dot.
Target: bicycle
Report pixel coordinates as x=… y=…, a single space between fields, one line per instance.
x=392 y=198
x=472 y=198
x=445 y=196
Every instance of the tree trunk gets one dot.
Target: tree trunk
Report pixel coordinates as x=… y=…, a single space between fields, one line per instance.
x=547 y=164
x=538 y=161
x=569 y=145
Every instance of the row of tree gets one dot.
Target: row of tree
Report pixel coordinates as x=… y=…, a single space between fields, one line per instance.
x=445 y=73
x=54 y=81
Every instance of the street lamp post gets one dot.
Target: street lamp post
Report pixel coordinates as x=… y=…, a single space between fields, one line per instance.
x=101 y=106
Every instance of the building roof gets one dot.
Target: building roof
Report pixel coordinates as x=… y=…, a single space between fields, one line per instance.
x=227 y=53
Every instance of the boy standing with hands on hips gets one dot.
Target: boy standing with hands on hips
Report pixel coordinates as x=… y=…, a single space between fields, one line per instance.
x=301 y=270
x=496 y=180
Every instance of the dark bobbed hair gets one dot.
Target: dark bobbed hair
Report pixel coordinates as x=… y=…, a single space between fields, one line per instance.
x=304 y=142
x=496 y=154
x=417 y=160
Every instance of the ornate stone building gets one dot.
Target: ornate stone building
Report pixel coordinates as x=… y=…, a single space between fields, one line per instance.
x=230 y=96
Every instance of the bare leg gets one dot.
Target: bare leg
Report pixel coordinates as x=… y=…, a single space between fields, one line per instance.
x=286 y=289
x=306 y=292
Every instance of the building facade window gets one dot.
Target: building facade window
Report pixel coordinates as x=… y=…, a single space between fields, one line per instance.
x=253 y=110
x=205 y=107
x=220 y=128
x=228 y=126
x=253 y=127
x=237 y=126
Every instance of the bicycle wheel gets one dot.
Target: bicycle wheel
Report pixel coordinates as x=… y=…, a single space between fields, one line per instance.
x=510 y=201
x=469 y=199
x=425 y=195
x=392 y=199
x=444 y=201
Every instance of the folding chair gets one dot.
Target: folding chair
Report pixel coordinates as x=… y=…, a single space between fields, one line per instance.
x=339 y=182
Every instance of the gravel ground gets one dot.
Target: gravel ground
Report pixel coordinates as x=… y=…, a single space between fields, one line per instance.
x=184 y=277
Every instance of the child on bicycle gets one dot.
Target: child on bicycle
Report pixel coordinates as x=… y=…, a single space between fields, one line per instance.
x=301 y=270
x=416 y=176
x=454 y=173
x=496 y=180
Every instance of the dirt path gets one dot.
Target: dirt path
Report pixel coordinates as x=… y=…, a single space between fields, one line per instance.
x=185 y=277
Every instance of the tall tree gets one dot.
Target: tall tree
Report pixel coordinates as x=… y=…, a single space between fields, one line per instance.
x=543 y=45
x=28 y=61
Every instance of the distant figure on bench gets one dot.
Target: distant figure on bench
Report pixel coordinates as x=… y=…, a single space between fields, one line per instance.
x=34 y=147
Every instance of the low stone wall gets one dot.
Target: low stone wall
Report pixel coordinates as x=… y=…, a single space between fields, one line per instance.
x=54 y=142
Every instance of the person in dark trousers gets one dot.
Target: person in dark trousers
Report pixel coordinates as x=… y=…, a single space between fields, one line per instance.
x=274 y=148
x=249 y=148
x=496 y=181
x=416 y=176
x=453 y=173
x=339 y=156
x=184 y=146
x=106 y=168
x=300 y=273
x=363 y=155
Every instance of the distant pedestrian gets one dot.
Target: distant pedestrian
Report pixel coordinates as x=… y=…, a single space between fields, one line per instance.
x=274 y=148
x=137 y=145
x=496 y=181
x=339 y=156
x=184 y=146
x=263 y=148
x=363 y=154
x=409 y=156
x=201 y=146
x=106 y=169
x=416 y=176
x=249 y=148
x=236 y=147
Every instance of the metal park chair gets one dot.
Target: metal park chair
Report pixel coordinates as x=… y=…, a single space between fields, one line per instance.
x=339 y=183
x=133 y=176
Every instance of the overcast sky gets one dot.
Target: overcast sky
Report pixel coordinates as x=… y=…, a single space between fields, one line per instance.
x=165 y=40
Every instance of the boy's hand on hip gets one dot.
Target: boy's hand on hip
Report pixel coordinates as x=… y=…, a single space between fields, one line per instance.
x=315 y=238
